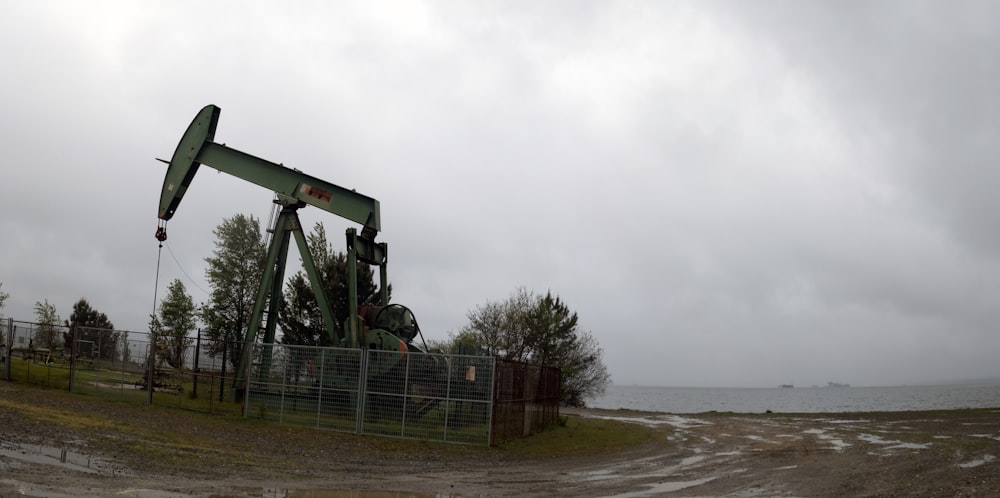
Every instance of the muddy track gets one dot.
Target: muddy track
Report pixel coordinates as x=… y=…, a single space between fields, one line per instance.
x=58 y=444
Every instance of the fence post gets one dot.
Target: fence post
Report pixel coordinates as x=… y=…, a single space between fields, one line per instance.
x=362 y=390
x=152 y=367
x=244 y=393
x=447 y=397
x=222 y=382
x=8 y=345
x=493 y=401
x=197 y=354
x=320 y=386
x=73 y=349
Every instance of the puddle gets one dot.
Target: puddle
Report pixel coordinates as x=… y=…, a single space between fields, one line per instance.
x=150 y=493
x=975 y=463
x=596 y=475
x=60 y=457
x=988 y=436
x=843 y=421
x=332 y=493
x=664 y=487
x=893 y=445
x=672 y=420
x=837 y=445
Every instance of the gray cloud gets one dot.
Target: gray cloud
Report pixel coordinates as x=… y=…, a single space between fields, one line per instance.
x=727 y=193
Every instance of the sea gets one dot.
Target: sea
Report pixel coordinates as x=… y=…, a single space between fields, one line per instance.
x=799 y=399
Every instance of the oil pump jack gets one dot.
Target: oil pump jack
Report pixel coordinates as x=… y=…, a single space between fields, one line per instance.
x=390 y=327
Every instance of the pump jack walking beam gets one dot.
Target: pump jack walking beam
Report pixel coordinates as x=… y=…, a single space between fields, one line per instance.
x=294 y=190
x=196 y=147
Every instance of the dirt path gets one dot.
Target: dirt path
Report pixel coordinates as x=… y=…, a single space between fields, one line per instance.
x=874 y=454
x=124 y=450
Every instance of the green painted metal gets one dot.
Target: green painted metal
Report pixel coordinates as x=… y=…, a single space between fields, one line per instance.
x=266 y=287
x=286 y=227
x=373 y=253
x=322 y=300
x=353 y=326
x=196 y=147
x=294 y=190
x=183 y=164
x=296 y=185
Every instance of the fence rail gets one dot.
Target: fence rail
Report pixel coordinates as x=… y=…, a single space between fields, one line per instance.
x=443 y=397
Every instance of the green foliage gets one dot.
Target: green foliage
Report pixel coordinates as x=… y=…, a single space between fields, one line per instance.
x=299 y=314
x=465 y=343
x=234 y=272
x=94 y=331
x=3 y=297
x=500 y=327
x=47 y=333
x=176 y=321
x=543 y=330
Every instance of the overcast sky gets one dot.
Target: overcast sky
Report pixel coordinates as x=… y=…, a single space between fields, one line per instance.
x=728 y=193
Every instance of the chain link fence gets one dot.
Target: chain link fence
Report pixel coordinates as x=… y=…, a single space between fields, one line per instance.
x=188 y=373
x=440 y=397
x=34 y=353
x=192 y=373
x=387 y=393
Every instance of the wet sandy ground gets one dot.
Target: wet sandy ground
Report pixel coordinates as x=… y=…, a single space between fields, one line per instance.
x=948 y=453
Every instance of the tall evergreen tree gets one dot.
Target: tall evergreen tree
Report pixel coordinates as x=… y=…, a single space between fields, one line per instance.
x=234 y=272
x=94 y=330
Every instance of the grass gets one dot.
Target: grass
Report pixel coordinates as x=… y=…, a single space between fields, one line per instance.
x=577 y=436
x=580 y=435
x=66 y=418
x=573 y=436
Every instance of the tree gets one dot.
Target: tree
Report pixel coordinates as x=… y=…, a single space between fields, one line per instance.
x=234 y=272
x=94 y=331
x=299 y=315
x=3 y=297
x=176 y=320
x=542 y=330
x=465 y=342
x=47 y=333
x=500 y=327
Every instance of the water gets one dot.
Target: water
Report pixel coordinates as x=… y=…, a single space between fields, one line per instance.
x=58 y=456
x=798 y=399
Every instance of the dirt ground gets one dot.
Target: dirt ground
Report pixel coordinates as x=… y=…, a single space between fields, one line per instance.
x=56 y=444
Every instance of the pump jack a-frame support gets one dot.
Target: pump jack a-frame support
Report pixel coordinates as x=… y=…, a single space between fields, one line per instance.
x=294 y=191
x=287 y=226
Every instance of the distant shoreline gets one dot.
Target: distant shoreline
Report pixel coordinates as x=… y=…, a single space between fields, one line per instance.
x=973 y=382
x=837 y=399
